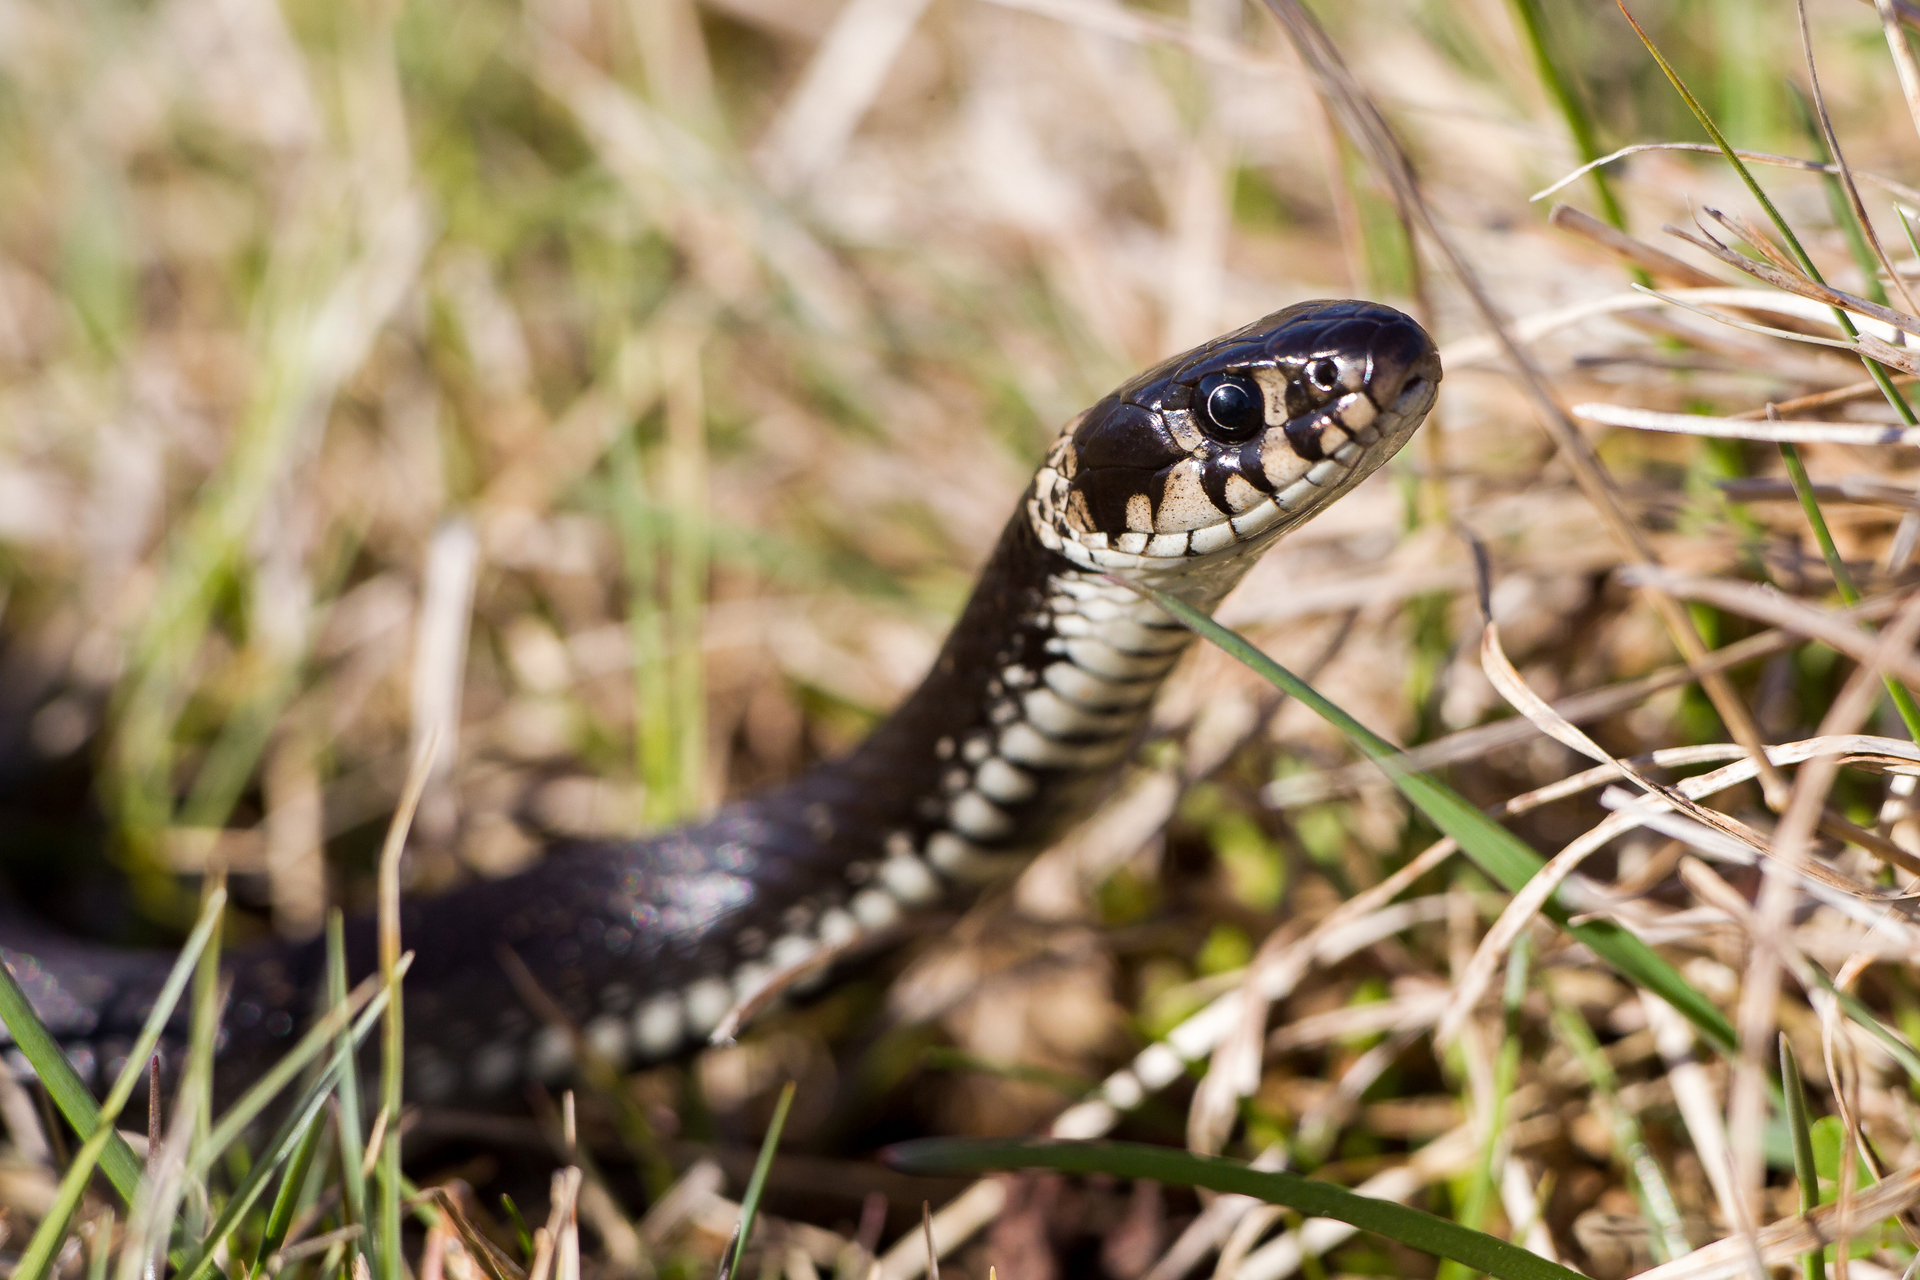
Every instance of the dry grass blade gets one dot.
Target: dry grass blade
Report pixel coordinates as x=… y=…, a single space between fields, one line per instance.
x=1479 y=350
x=1507 y=681
x=488 y=1255
x=1629 y=249
x=1783 y=274
x=1903 y=63
x=554 y=1253
x=1861 y=489
x=840 y=82
x=1850 y=344
x=1799 y=431
x=1887 y=354
x=1900 y=189
x=1141 y=28
x=1824 y=399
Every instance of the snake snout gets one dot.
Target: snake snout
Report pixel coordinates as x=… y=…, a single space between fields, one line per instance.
x=1401 y=355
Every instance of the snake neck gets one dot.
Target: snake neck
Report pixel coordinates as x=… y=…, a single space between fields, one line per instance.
x=1040 y=689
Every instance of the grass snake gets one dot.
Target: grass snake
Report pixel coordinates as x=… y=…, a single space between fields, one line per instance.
x=1179 y=478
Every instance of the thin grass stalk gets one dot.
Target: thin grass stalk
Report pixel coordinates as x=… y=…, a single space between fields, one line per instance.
x=388 y=1265
x=52 y=1231
x=353 y=1182
x=1813 y=1265
x=1861 y=235
x=1906 y=228
x=1506 y=1074
x=154 y=1217
x=686 y=476
x=260 y=1095
x=287 y=1196
x=99 y=1244
x=1875 y=370
x=1899 y=190
x=1842 y=579
x=209 y=999
x=191 y=1211
x=756 y=1185
x=654 y=755
x=1492 y=847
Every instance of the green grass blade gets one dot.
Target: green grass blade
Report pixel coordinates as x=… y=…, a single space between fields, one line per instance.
x=1414 y=1228
x=750 y=1202
x=1814 y=1265
x=1493 y=848
x=353 y=1179
x=63 y=1085
x=52 y=1230
x=1803 y=489
x=115 y=1157
x=286 y=1199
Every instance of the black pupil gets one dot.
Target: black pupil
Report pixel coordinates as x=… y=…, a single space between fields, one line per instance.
x=1323 y=373
x=1234 y=407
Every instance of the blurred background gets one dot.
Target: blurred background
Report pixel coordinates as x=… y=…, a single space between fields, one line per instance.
x=624 y=392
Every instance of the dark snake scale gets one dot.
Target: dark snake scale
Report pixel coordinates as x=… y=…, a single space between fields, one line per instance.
x=1178 y=479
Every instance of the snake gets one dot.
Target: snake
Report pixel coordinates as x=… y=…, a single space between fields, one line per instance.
x=637 y=949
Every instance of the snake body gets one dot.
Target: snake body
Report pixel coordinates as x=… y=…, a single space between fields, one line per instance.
x=1178 y=479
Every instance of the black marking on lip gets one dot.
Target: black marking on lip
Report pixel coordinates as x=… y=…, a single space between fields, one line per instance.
x=1214 y=474
x=1252 y=470
x=1303 y=434
x=1157 y=491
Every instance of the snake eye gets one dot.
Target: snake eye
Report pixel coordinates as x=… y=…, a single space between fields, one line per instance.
x=1233 y=409
x=1323 y=375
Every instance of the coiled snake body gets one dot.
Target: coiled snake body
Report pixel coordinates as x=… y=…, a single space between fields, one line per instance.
x=1179 y=479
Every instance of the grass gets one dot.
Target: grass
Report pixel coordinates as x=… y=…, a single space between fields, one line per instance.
x=299 y=300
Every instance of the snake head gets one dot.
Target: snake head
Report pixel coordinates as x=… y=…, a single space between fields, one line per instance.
x=1221 y=449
